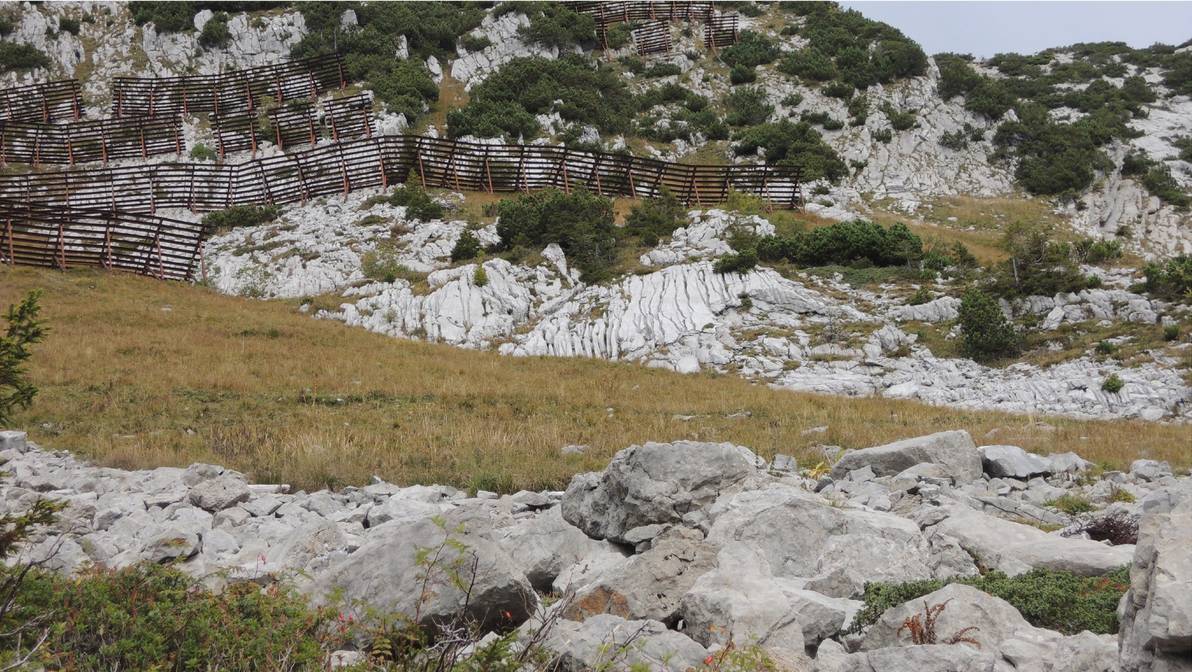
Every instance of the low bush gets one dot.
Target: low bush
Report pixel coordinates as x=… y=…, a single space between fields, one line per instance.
x=506 y=101
x=555 y=24
x=1171 y=332
x=751 y=50
x=656 y=217
x=473 y=43
x=155 y=617
x=883 y=136
x=1171 y=280
x=166 y=17
x=957 y=76
x=581 y=223
x=467 y=246
x=1051 y=599
x=1117 y=529
x=1092 y=251
x=382 y=265
x=810 y=65
x=797 y=144
x=921 y=296
x=845 y=243
x=1113 y=384
x=201 y=152
x=21 y=57
x=662 y=70
x=742 y=75
x=738 y=262
x=68 y=25
x=240 y=215
x=747 y=106
x=900 y=121
x=215 y=32
x=986 y=331
x=418 y=204
x=480 y=276
x=838 y=89
x=1037 y=265
x=1070 y=504
x=1184 y=145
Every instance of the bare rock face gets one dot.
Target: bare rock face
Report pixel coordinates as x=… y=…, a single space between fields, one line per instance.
x=386 y=573
x=954 y=451
x=652 y=484
x=608 y=642
x=1156 y=613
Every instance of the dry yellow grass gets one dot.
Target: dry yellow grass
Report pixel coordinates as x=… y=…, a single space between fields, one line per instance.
x=138 y=373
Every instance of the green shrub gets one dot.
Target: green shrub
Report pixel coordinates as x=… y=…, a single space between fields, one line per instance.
x=1051 y=599
x=1113 y=384
x=656 y=217
x=795 y=144
x=473 y=43
x=1158 y=181
x=1106 y=348
x=955 y=140
x=16 y=390
x=555 y=24
x=957 y=77
x=581 y=223
x=861 y=52
x=741 y=75
x=1184 y=144
x=921 y=296
x=1091 y=251
x=858 y=110
x=1171 y=332
x=1037 y=264
x=201 y=152
x=7 y=24
x=845 y=243
x=986 y=331
x=467 y=246
x=215 y=32
x=418 y=204
x=738 y=262
x=240 y=215
x=167 y=17
x=747 y=106
x=506 y=101
x=1070 y=504
x=405 y=85
x=382 y=265
x=1170 y=280
x=751 y=50
x=883 y=135
x=68 y=25
x=662 y=70
x=808 y=64
x=479 y=276
x=21 y=57
x=838 y=89
x=900 y=121
x=155 y=617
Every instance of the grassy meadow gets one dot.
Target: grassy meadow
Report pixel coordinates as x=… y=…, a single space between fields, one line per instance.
x=140 y=373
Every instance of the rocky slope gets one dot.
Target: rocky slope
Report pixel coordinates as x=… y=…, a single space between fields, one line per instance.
x=690 y=545
x=799 y=332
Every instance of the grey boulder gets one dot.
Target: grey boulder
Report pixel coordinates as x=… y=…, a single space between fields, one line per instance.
x=654 y=483
x=386 y=573
x=929 y=658
x=992 y=619
x=953 y=450
x=219 y=493
x=608 y=642
x=544 y=545
x=1013 y=462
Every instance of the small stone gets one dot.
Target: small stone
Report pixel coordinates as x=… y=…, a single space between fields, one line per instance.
x=574 y=449
x=1149 y=470
x=784 y=464
x=219 y=493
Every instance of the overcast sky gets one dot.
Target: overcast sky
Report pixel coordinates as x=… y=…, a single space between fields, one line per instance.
x=986 y=28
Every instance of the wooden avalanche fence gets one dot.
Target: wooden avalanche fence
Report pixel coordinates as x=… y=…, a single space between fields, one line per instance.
x=36 y=234
x=36 y=143
x=227 y=93
x=721 y=30
x=390 y=159
x=45 y=102
x=624 y=12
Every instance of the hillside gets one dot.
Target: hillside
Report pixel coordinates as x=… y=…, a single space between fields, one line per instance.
x=573 y=337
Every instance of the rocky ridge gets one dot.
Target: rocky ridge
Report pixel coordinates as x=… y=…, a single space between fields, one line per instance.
x=689 y=545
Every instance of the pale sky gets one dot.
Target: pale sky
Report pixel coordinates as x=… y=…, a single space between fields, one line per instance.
x=986 y=28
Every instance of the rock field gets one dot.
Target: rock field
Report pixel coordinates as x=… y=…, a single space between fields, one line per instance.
x=677 y=548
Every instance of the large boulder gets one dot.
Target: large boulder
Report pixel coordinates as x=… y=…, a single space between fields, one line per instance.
x=740 y=601
x=545 y=545
x=836 y=550
x=654 y=483
x=954 y=451
x=388 y=573
x=1013 y=462
x=608 y=642
x=1156 y=613
x=649 y=585
x=1014 y=548
x=219 y=493
x=990 y=618
x=930 y=658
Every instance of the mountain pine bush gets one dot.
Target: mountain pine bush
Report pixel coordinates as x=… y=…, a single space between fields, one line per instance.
x=986 y=331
